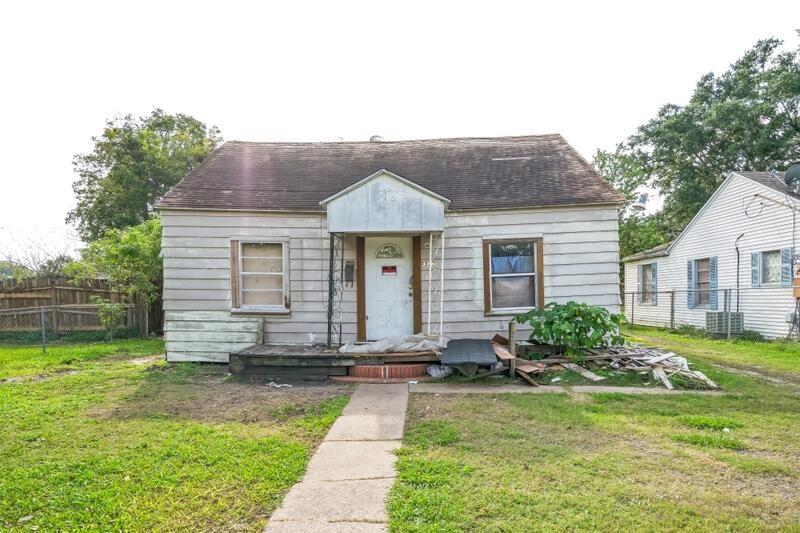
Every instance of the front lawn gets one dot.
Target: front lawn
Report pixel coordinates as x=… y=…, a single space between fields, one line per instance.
x=110 y=439
x=544 y=462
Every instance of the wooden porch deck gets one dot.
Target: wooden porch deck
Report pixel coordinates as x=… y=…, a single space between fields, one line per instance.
x=307 y=362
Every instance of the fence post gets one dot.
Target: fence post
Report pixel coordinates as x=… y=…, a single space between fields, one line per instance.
x=633 y=307
x=44 y=333
x=672 y=309
x=728 y=310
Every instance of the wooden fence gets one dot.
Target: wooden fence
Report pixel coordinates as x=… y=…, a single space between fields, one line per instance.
x=54 y=290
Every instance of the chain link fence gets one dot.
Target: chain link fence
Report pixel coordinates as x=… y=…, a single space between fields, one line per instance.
x=61 y=324
x=769 y=312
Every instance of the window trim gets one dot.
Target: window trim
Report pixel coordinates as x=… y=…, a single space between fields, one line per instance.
x=538 y=274
x=696 y=284
x=761 y=281
x=237 y=289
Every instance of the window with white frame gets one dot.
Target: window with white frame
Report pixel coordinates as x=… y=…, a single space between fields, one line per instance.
x=512 y=274
x=702 y=282
x=648 y=283
x=261 y=276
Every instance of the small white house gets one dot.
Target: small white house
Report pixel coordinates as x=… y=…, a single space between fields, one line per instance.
x=322 y=243
x=742 y=239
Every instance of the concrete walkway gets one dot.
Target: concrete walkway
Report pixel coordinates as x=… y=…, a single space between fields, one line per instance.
x=348 y=479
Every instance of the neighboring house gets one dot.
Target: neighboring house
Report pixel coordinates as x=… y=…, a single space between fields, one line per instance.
x=452 y=236
x=701 y=263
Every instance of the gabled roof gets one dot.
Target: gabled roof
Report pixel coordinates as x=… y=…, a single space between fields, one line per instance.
x=771 y=180
x=384 y=172
x=473 y=173
x=656 y=251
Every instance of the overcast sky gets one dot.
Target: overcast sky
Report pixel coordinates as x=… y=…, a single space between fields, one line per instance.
x=297 y=71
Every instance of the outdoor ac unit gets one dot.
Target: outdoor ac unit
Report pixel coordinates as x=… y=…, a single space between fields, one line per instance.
x=717 y=323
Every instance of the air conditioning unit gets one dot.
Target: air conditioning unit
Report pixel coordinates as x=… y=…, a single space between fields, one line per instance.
x=717 y=323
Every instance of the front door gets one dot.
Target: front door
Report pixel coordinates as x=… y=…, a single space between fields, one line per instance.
x=388 y=285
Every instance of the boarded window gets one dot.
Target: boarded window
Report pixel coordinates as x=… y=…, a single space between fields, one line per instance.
x=512 y=274
x=261 y=280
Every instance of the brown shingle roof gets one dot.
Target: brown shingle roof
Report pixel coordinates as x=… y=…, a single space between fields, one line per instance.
x=473 y=173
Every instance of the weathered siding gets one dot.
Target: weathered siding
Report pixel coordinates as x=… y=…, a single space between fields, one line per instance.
x=766 y=226
x=580 y=261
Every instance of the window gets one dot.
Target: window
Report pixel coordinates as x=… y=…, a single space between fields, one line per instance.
x=512 y=274
x=702 y=281
x=648 y=284
x=259 y=276
x=771 y=267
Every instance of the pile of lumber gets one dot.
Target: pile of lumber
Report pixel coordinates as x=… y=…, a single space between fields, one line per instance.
x=663 y=365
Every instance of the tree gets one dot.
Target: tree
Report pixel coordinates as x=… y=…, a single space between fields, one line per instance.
x=130 y=259
x=133 y=163
x=747 y=118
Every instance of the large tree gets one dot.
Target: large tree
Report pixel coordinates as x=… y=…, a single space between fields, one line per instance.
x=133 y=163
x=747 y=118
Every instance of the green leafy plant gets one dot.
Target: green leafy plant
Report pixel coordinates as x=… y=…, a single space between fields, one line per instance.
x=110 y=315
x=573 y=327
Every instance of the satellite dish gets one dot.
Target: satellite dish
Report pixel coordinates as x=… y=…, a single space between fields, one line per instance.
x=792 y=176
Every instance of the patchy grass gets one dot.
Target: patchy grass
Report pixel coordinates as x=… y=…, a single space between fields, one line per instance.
x=121 y=445
x=549 y=462
x=30 y=360
x=710 y=441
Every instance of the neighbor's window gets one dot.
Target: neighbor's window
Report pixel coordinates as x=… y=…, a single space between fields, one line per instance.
x=512 y=278
x=647 y=283
x=702 y=281
x=771 y=267
x=262 y=280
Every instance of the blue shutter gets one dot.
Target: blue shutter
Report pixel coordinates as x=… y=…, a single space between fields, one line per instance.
x=639 y=283
x=755 y=269
x=654 y=283
x=786 y=267
x=690 y=284
x=712 y=285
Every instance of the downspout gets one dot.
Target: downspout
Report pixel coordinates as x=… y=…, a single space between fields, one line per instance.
x=736 y=245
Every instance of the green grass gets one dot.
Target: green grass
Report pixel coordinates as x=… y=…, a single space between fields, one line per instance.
x=776 y=356
x=116 y=446
x=558 y=462
x=30 y=360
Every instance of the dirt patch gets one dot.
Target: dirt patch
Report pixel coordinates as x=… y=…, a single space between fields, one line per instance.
x=213 y=396
x=150 y=359
x=37 y=378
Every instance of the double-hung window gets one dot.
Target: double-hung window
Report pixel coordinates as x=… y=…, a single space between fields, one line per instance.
x=512 y=275
x=647 y=283
x=702 y=282
x=259 y=276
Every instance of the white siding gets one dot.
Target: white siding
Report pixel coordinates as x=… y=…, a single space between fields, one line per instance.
x=581 y=257
x=766 y=226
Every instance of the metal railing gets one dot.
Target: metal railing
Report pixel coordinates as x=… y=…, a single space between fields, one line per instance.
x=724 y=312
x=67 y=324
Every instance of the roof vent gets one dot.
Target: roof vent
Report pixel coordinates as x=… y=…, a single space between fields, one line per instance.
x=376 y=139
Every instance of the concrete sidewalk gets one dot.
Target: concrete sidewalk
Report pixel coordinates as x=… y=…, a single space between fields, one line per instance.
x=349 y=477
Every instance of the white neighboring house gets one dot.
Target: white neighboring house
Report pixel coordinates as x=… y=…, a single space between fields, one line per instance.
x=757 y=209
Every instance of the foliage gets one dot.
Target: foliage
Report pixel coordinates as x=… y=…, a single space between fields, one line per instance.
x=708 y=422
x=134 y=162
x=573 y=326
x=711 y=440
x=750 y=335
x=690 y=330
x=130 y=259
x=747 y=118
x=111 y=315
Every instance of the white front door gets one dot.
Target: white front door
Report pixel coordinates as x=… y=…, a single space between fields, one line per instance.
x=390 y=312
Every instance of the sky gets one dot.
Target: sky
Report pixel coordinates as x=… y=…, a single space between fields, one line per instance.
x=325 y=71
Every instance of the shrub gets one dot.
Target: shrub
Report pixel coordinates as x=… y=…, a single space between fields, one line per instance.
x=572 y=327
x=689 y=330
x=752 y=336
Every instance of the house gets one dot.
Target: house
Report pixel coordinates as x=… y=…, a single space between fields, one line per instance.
x=323 y=243
x=742 y=239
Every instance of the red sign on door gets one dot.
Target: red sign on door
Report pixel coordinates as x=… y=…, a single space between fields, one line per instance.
x=389 y=271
